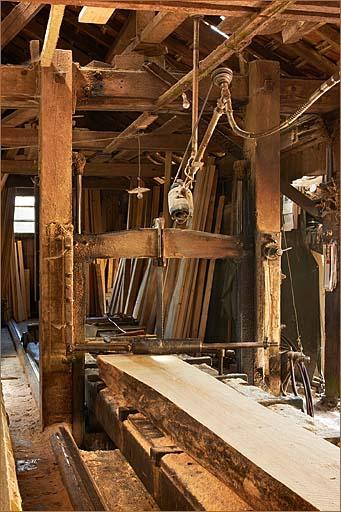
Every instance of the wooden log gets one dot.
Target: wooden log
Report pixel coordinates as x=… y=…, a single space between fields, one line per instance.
x=272 y=463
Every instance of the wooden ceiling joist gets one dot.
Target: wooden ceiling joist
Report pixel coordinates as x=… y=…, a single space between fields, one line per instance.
x=52 y=35
x=141 y=123
x=16 y=20
x=307 y=10
x=158 y=29
x=19 y=117
x=106 y=169
x=98 y=140
x=97 y=15
x=236 y=43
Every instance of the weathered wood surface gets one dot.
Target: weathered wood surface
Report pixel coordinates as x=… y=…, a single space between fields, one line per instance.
x=271 y=462
x=143 y=243
x=117 y=89
x=9 y=491
x=304 y=9
x=188 y=243
x=55 y=209
x=263 y=113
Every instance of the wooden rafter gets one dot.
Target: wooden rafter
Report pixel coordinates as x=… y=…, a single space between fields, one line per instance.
x=98 y=15
x=308 y=10
x=16 y=20
x=94 y=140
x=52 y=35
x=141 y=123
x=157 y=30
x=235 y=43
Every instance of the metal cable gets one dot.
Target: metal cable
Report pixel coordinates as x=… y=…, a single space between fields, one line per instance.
x=320 y=91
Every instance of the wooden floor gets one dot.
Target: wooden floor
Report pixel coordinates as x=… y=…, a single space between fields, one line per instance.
x=39 y=480
x=270 y=460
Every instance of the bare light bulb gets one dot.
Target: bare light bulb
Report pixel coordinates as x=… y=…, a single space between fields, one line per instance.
x=185 y=103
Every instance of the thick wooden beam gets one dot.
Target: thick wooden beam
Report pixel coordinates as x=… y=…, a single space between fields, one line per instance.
x=121 y=244
x=114 y=89
x=299 y=198
x=88 y=140
x=232 y=436
x=306 y=9
x=52 y=35
x=141 y=123
x=98 y=15
x=112 y=169
x=187 y=243
x=16 y=20
x=263 y=112
x=142 y=243
x=238 y=40
x=55 y=218
x=158 y=29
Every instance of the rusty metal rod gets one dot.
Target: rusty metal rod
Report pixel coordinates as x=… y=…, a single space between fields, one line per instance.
x=155 y=346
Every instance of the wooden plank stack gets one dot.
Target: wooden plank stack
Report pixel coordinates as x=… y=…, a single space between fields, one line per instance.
x=99 y=215
x=133 y=275
x=186 y=284
x=19 y=284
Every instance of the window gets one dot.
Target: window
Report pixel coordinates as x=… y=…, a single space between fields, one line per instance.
x=24 y=214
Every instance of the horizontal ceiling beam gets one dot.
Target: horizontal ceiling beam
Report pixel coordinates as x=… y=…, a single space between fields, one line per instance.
x=94 y=140
x=111 y=89
x=110 y=169
x=327 y=11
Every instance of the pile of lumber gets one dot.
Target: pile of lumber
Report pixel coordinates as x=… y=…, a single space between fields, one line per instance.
x=19 y=284
x=100 y=213
x=186 y=284
x=132 y=273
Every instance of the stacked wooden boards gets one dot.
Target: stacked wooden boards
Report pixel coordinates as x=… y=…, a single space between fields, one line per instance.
x=20 y=284
x=186 y=284
x=100 y=213
x=132 y=273
x=271 y=462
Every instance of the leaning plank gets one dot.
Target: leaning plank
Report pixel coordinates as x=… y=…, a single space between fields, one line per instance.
x=272 y=463
x=52 y=34
x=100 y=15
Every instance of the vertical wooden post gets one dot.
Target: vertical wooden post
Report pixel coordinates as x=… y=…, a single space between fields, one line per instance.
x=56 y=239
x=331 y=225
x=263 y=112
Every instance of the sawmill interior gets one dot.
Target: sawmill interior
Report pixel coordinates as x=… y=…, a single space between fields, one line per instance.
x=170 y=285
